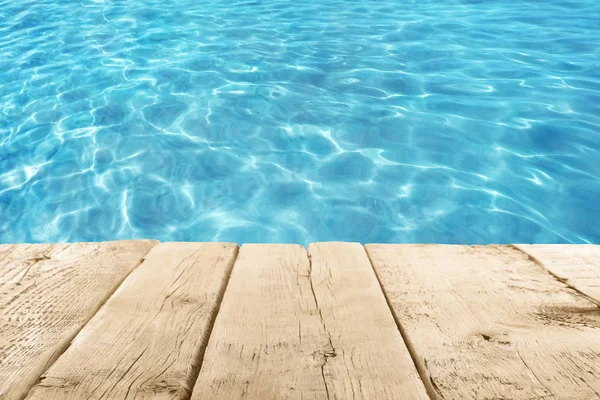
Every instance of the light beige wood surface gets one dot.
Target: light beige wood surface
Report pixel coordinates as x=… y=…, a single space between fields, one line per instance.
x=370 y=359
x=147 y=341
x=576 y=265
x=489 y=323
x=47 y=294
x=286 y=330
x=268 y=341
x=496 y=322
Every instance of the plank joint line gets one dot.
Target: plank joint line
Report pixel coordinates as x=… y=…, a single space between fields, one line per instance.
x=211 y=324
x=430 y=386
x=562 y=280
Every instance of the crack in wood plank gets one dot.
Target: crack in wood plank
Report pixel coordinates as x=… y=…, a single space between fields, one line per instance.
x=331 y=350
x=316 y=325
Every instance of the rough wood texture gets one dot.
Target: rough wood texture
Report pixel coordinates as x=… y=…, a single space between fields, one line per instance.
x=487 y=322
x=47 y=294
x=268 y=341
x=288 y=331
x=370 y=359
x=148 y=339
x=576 y=265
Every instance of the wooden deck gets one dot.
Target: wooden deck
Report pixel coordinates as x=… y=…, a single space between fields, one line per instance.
x=142 y=319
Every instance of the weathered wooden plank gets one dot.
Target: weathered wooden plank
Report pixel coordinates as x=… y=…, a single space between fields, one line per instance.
x=289 y=330
x=487 y=322
x=576 y=265
x=371 y=360
x=148 y=339
x=47 y=293
x=268 y=341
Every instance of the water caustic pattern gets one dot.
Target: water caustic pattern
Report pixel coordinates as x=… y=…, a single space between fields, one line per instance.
x=295 y=121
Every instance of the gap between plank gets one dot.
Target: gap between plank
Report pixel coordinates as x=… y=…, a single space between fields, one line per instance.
x=67 y=343
x=430 y=387
x=555 y=276
x=197 y=363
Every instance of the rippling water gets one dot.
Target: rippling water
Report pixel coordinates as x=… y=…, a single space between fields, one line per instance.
x=289 y=121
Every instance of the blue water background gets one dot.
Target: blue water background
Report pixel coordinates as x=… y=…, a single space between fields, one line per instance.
x=295 y=121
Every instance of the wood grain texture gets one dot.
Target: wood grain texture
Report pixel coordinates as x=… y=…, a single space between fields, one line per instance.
x=289 y=330
x=268 y=341
x=370 y=359
x=47 y=293
x=489 y=323
x=148 y=339
x=576 y=265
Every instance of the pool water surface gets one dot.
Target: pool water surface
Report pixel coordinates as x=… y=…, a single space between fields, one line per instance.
x=296 y=121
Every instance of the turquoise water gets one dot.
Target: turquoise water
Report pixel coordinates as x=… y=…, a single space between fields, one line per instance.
x=288 y=121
